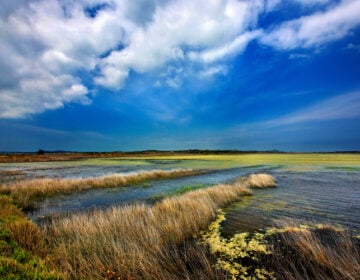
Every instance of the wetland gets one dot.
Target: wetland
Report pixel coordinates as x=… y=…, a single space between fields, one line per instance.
x=177 y=205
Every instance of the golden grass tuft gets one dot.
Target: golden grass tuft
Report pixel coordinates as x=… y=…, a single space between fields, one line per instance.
x=260 y=181
x=25 y=193
x=142 y=241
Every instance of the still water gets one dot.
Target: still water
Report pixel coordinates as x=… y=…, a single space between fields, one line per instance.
x=319 y=193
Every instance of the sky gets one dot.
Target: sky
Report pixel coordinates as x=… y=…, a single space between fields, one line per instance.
x=125 y=75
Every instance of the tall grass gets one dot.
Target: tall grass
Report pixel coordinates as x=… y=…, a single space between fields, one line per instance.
x=142 y=241
x=25 y=193
x=291 y=252
x=260 y=180
x=318 y=252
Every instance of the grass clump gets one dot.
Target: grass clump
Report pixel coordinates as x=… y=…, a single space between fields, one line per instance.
x=27 y=193
x=142 y=241
x=313 y=252
x=259 y=181
x=21 y=246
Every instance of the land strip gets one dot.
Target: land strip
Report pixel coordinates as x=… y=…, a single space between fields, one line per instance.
x=27 y=193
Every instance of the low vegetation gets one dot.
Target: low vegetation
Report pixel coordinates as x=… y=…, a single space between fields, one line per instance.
x=179 y=191
x=313 y=252
x=142 y=241
x=291 y=252
x=259 y=181
x=170 y=239
x=240 y=255
x=22 y=246
x=26 y=193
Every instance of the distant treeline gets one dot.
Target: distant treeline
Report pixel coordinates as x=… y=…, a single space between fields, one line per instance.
x=174 y=152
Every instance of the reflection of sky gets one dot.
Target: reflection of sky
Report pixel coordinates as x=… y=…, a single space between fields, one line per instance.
x=310 y=193
x=315 y=197
x=300 y=93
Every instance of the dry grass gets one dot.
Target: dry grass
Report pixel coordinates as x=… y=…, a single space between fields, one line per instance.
x=141 y=241
x=25 y=193
x=260 y=181
x=320 y=252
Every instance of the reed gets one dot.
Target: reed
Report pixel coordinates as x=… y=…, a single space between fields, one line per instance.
x=260 y=180
x=26 y=193
x=142 y=241
x=314 y=252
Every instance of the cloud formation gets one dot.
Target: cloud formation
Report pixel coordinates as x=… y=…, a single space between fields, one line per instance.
x=342 y=106
x=316 y=29
x=49 y=46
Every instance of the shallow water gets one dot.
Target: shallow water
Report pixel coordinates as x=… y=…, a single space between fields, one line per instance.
x=312 y=197
x=148 y=192
x=310 y=187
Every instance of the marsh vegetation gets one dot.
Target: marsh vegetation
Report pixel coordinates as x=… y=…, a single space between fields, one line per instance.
x=26 y=193
x=182 y=234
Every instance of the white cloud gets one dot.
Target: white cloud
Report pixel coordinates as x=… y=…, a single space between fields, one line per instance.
x=316 y=29
x=227 y=50
x=213 y=71
x=218 y=28
x=339 y=107
x=45 y=44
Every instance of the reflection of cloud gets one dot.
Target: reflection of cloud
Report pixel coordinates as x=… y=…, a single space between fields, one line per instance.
x=339 y=107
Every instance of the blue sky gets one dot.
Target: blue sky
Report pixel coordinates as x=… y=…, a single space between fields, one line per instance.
x=104 y=75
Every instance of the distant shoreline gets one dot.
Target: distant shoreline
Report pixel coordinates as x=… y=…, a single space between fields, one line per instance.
x=44 y=156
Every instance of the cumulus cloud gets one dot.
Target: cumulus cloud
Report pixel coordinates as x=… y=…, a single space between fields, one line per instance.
x=316 y=29
x=48 y=46
x=47 y=43
x=215 y=28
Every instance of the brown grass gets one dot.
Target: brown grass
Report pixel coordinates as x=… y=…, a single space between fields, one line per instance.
x=260 y=181
x=25 y=193
x=141 y=241
x=319 y=252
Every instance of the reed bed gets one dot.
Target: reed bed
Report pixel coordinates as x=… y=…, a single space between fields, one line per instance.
x=313 y=252
x=142 y=241
x=26 y=193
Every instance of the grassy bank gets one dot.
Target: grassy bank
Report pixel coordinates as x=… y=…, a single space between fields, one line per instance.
x=22 y=247
x=26 y=193
x=142 y=241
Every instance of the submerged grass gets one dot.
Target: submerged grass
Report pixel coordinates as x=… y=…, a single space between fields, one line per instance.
x=239 y=255
x=178 y=191
x=142 y=241
x=26 y=193
x=292 y=252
